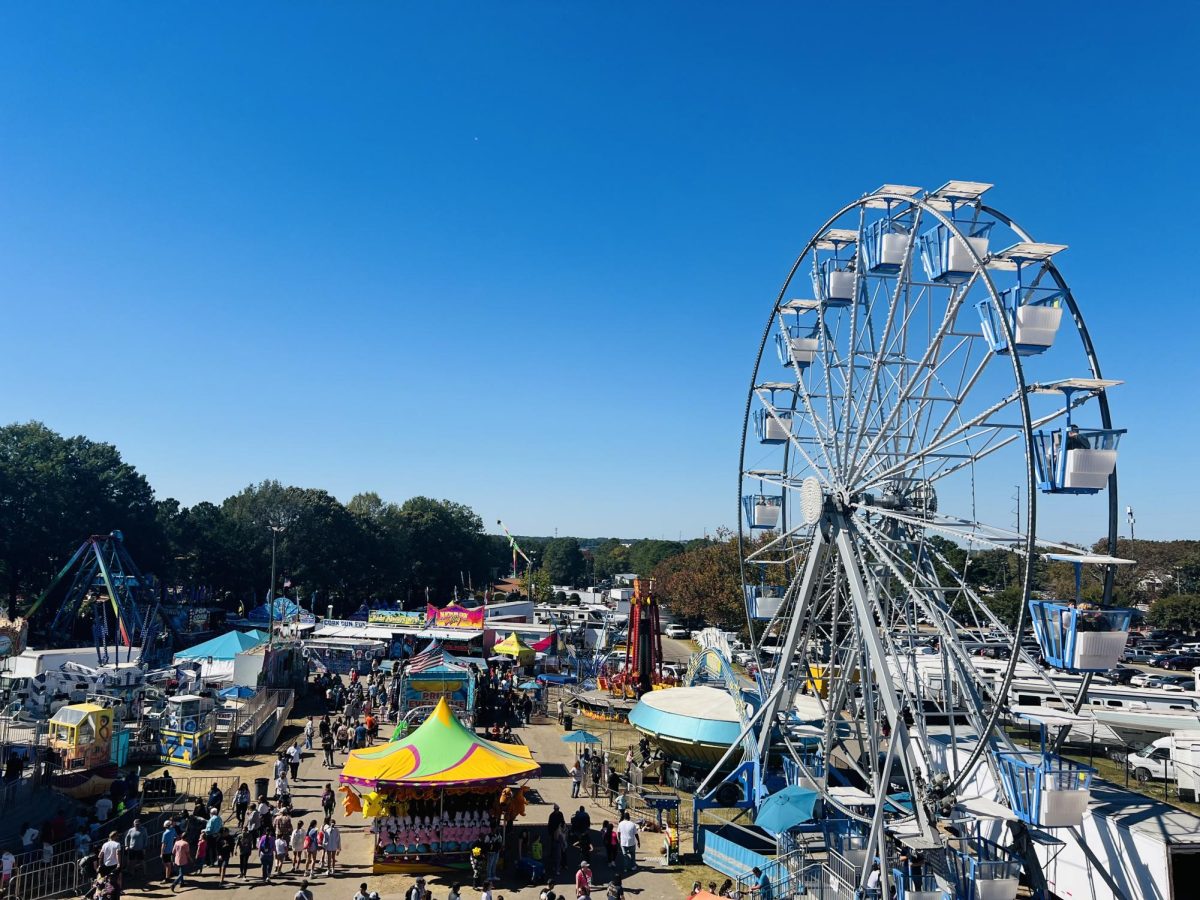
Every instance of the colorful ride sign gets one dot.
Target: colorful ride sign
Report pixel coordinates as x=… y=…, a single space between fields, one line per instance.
x=403 y=618
x=454 y=617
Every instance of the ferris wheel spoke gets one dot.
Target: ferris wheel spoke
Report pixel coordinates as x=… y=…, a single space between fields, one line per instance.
x=877 y=361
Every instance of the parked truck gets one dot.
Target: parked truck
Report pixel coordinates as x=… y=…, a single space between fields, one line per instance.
x=1175 y=757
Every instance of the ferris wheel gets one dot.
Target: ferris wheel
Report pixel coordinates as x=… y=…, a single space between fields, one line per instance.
x=925 y=389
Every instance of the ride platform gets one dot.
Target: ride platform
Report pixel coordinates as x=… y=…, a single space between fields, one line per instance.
x=604 y=706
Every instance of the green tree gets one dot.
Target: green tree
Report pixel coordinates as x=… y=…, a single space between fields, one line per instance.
x=1178 y=611
x=611 y=556
x=54 y=492
x=644 y=556
x=704 y=584
x=445 y=546
x=564 y=562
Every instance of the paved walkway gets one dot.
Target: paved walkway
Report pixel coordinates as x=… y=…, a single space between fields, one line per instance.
x=554 y=786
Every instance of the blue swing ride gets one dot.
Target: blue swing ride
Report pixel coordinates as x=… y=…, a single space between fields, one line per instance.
x=914 y=393
x=123 y=603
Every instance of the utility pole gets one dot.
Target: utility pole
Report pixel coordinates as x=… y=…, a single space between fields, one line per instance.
x=275 y=530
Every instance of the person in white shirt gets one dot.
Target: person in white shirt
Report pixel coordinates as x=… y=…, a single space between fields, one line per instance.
x=110 y=854
x=333 y=844
x=874 y=878
x=103 y=808
x=7 y=863
x=29 y=835
x=627 y=835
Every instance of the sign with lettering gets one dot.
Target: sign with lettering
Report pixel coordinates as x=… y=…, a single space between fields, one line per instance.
x=454 y=617
x=403 y=618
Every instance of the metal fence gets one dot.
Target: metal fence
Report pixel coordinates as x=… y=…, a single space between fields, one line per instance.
x=40 y=880
x=162 y=794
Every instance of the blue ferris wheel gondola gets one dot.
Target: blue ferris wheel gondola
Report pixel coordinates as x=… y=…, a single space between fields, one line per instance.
x=1032 y=309
x=1074 y=460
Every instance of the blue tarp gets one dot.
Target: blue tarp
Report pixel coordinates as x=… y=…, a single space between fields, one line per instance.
x=225 y=646
x=237 y=692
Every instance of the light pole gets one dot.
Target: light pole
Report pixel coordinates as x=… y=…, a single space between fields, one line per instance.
x=275 y=530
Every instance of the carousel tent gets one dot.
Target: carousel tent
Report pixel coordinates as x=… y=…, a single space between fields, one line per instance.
x=516 y=648
x=217 y=656
x=442 y=752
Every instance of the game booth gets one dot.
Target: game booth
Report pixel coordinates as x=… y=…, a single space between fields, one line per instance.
x=433 y=794
x=435 y=674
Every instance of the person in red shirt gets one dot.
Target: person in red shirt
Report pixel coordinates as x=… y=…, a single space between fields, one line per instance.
x=583 y=880
x=372 y=728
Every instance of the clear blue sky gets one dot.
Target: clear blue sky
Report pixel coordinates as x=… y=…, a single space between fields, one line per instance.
x=519 y=254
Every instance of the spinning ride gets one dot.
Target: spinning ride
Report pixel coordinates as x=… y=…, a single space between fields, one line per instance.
x=924 y=356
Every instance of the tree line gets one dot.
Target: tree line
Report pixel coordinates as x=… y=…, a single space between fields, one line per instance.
x=56 y=490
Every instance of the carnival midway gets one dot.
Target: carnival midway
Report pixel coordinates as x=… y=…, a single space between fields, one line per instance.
x=873 y=731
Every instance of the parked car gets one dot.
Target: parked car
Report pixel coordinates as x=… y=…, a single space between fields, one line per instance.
x=678 y=632
x=1156 y=681
x=1182 y=663
x=1121 y=674
x=1145 y=679
x=1137 y=655
x=1159 y=658
x=1187 y=682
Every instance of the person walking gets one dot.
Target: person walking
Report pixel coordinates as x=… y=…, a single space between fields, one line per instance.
x=608 y=840
x=245 y=847
x=181 y=855
x=630 y=839
x=576 y=778
x=327 y=748
x=167 y=848
x=295 y=754
x=299 y=835
x=333 y=844
x=266 y=855
x=110 y=854
x=224 y=849
x=135 y=846
x=583 y=881
x=241 y=802
x=310 y=729
x=303 y=893
x=312 y=843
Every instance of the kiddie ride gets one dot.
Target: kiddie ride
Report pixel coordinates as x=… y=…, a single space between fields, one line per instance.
x=641 y=671
x=81 y=736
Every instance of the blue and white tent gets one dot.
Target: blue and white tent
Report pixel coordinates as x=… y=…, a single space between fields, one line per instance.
x=216 y=656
